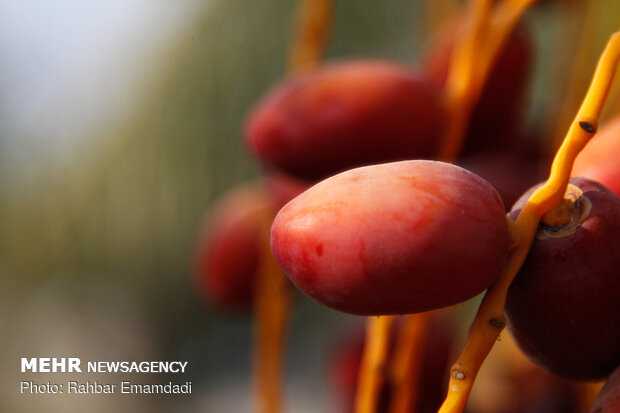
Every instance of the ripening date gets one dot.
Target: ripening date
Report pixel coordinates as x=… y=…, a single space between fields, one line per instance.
x=497 y=117
x=230 y=248
x=227 y=253
x=562 y=306
x=345 y=115
x=394 y=238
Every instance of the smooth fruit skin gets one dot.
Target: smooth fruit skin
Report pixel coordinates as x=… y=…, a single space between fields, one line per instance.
x=402 y=237
x=599 y=160
x=345 y=115
x=608 y=400
x=496 y=119
x=228 y=251
x=562 y=306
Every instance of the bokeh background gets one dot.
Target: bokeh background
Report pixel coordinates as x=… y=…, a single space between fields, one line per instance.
x=120 y=122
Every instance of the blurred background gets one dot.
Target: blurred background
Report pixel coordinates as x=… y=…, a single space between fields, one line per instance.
x=120 y=122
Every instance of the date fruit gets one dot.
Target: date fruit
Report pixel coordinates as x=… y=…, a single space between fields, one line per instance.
x=495 y=120
x=402 y=237
x=562 y=306
x=345 y=115
x=229 y=248
x=228 y=252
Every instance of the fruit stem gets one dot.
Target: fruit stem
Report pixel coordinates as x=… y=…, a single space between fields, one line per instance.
x=490 y=320
x=437 y=12
x=461 y=97
x=272 y=305
x=405 y=369
x=372 y=370
x=273 y=295
x=587 y=394
x=559 y=216
x=474 y=55
x=462 y=88
x=514 y=234
x=578 y=74
x=312 y=27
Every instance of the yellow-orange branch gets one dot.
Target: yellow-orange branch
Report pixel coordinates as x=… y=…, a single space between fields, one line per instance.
x=460 y=101
x=437 y=12
x=587 y=394
x=464 y=81
x=578 y=74
x=373 y=368
x=405 y=369
x=460 y=98
x=273 y=296
x=473 y=57
x=310 y=38
x=490 y=320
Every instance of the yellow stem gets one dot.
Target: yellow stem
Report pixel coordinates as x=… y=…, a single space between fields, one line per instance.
x=273 y=295
x=578 y=71
x=312 y=30
x=587 y=394
x=463 y=84
x=437 y=12
x=490 y=320
x=374 y=359
x=272 y=302
x=505 y=17
x=473 y=59
x=405 y=368
x=460 y=98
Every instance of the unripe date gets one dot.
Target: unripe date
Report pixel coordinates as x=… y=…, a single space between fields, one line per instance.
x=345 y=115
x=562 y=306
x=395 y=238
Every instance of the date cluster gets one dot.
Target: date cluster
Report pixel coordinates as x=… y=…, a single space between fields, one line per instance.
x=368 y=223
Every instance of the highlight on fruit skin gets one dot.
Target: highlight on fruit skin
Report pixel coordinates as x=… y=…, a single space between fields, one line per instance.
x=608 y=400
x=395 y=238
x=345 y=115
x=599 y=160
x=562 y=306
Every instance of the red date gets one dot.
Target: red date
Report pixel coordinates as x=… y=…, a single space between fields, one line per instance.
x=345 y=115
x=395 y=238
x=562 y=306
